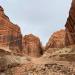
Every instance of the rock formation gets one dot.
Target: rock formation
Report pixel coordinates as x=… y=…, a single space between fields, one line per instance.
x=57 y=40
x=10 y=34
x=70 y=26
x=11 y=38
x=64 y=38
x=32 y=45
x=55 y=62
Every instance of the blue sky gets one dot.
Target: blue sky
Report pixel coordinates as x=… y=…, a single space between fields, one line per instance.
x=40 y=17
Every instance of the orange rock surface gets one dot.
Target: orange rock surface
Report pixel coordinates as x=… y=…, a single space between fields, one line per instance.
x=70 y=25
x=57 y=40
x=10 y=34
x=32 y=45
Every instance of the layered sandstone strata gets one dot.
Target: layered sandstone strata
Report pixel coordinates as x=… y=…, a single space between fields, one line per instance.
x=70 y=25
x=10 y=34
x=57 y=40
x=32 y=45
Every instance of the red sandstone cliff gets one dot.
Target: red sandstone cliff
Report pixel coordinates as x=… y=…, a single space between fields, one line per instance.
x=57 y=40
x=10 y=37
x=32 y=45
x=70 y=26
x=10 y=34
x=61 y=38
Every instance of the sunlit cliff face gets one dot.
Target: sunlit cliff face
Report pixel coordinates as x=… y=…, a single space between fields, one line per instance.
x=10 y=34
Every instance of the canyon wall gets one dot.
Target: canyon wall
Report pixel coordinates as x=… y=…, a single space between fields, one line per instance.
x=57 y=40
x=32 y=45
x=10 y=34
x=11 y=38
x=64 y=38
x=70 y=26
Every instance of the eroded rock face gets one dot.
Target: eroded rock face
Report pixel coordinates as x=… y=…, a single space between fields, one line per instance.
x=10 y=34
x=57 y=40
x=64 y=38
x=32 y=45
x=70 y=25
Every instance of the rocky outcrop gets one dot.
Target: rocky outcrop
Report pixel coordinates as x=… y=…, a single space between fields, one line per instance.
x=53 y=68
x=32 y=45
x=10 y=34
x=70 y=25
x=57 y=40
